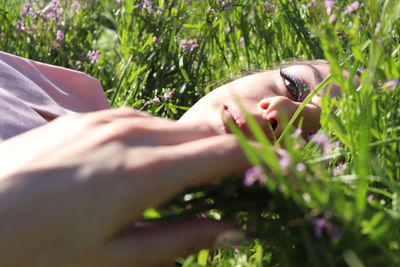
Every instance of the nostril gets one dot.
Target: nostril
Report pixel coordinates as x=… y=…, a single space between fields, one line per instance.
x=264 y=105
x=274 y=124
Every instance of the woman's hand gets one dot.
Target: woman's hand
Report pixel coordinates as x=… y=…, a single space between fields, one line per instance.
x=71 y=190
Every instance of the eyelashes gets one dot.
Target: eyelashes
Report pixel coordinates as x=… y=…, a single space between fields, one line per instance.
x=294 y=84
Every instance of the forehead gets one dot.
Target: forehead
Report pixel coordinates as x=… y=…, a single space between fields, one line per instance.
x=309 y=73
x=313 y=74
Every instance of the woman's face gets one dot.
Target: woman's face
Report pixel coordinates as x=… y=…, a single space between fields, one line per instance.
x=272 y=97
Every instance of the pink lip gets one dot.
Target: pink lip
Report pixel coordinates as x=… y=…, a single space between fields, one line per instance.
x=235 y=116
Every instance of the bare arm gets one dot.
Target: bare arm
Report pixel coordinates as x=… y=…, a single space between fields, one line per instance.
x=68 y=188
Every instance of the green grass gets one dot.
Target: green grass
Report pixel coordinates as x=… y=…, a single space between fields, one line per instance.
x=142 y=59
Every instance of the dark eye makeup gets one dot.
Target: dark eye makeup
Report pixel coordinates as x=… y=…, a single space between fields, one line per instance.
x=294 y=84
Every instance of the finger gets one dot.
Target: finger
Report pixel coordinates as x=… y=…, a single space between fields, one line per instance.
x=171 y=169
x=159 y=243
x=156 y=131
x=205 y=160
x=109 y=115
x=140 y=128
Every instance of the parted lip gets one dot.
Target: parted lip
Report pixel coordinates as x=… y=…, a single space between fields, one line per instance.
x=235 y=115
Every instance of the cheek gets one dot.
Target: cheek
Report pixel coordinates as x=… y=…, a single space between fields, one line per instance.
x=335 y=91
x=251 y=98
x=311 y=120
x=198 y=111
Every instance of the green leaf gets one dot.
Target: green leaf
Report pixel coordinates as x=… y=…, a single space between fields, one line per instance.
x=183 y=71
x=151 y=213
x=172 y=108
x=249 y=151
x=202 y=257
x=340 y=129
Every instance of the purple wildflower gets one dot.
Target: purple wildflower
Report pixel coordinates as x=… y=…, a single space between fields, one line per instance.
x=236 y=250
x=59 y=35
x=284 y=158
x=284 y=162
x=322 y=140
x=339 y=169
x=300 y=167
x=35 y=14
x=51 y=15
x=226 y=4
x=297 y=146
x=352 y=8
x=370 y=197
x=156 y=41
x=392 y=87
x=391 y=84
x=296 y=133
x=55 y=46
x=310 y=4
x=337 y=143
x=146 y=5
x=254 y=174
x=188 y=45
x=20 y=26
x=328 y=5
x=319 y=225
x=78 y=63
x=26 y=9
x=194 y=46
x=76 y=5
x=155 y=100
x=54 y=4
x=184 y=45
x=335 y=233
x=168 y=95
x=241 y=41
x=54 y=9
x=269 y=6
x=93 y=56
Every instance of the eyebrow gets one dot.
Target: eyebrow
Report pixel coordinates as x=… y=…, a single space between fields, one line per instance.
x=317 y=75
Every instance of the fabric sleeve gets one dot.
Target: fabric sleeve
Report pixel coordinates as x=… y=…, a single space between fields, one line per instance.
x=16 y=116
x=33 y=93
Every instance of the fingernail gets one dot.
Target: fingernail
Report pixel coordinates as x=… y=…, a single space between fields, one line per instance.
x=229 y=238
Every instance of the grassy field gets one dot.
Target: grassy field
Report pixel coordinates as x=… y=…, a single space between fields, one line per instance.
x=337 y=202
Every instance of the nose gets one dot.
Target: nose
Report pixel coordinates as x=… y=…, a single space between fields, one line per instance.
x=278 y=110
